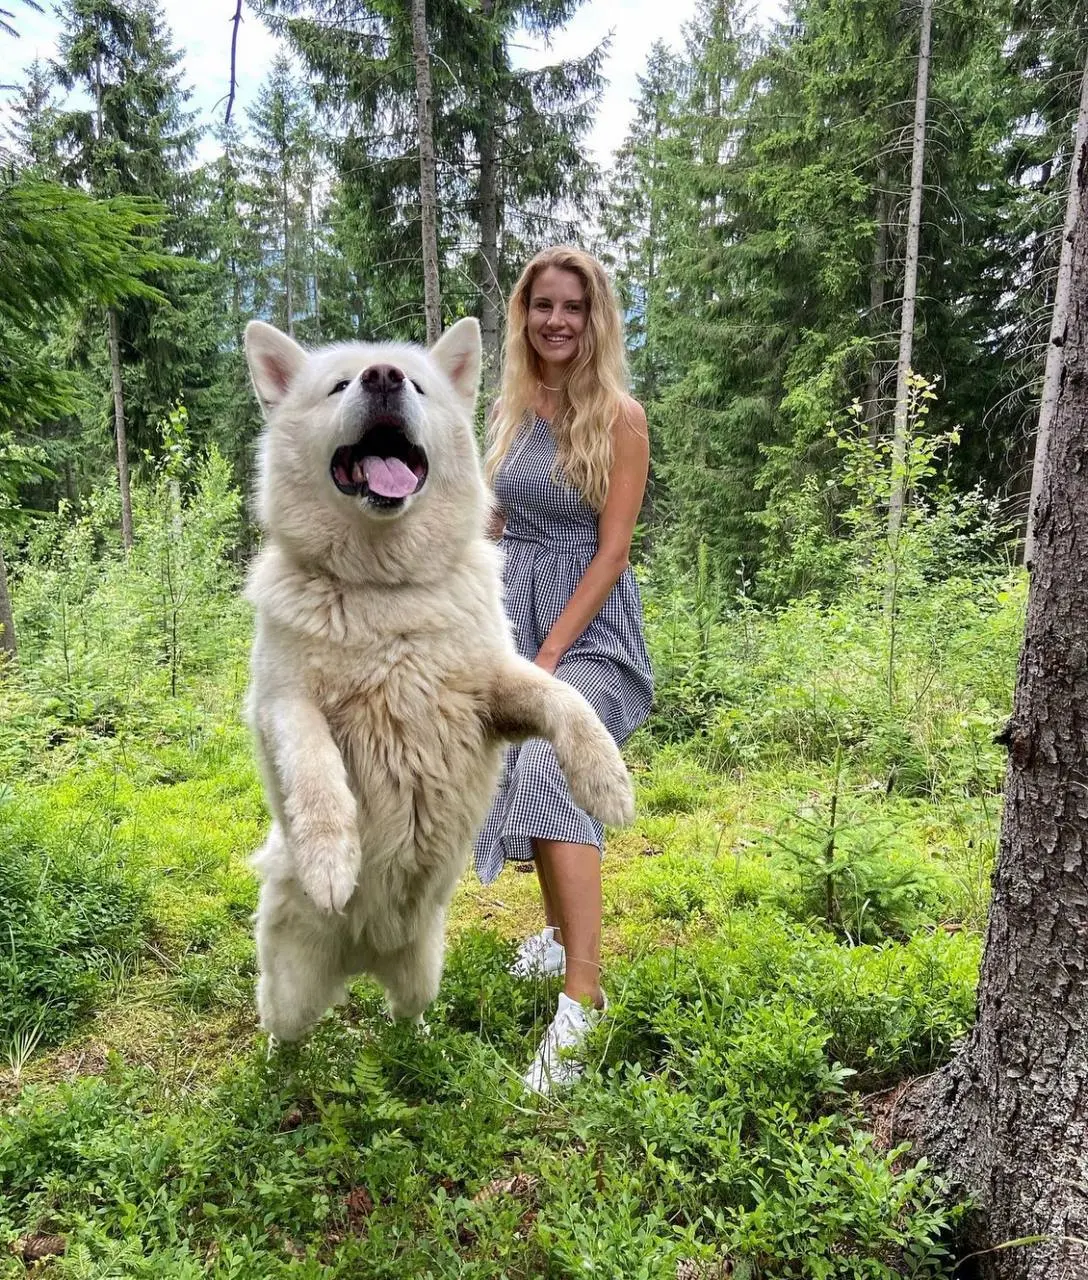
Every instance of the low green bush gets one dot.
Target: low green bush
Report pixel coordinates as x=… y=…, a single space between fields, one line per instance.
x=72 y=915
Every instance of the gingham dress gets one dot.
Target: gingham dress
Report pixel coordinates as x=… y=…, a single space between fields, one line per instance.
x=549 y=539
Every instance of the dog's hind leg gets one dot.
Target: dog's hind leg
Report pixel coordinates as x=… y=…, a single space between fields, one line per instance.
x=300 y=959
x=411 y=974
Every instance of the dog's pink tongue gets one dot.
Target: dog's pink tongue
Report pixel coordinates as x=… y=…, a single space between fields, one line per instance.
x=389 y=477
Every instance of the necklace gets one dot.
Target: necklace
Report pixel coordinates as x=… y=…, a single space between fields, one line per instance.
x=547 y=388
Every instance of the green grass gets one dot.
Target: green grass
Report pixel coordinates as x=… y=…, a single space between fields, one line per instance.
x=720 y=1118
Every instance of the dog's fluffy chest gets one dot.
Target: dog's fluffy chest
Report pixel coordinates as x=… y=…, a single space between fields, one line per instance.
x=401 y=712
x=398 y=676
x=419 y=760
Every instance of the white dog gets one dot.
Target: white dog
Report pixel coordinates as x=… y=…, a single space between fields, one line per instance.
x=384 y=679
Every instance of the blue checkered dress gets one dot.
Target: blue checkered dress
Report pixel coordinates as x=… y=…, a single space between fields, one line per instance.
x=549 y=539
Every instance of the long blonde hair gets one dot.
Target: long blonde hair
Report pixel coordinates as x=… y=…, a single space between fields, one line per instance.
x=595 y=388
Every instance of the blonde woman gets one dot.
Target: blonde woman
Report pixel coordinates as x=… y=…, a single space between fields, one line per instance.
x=568 y=461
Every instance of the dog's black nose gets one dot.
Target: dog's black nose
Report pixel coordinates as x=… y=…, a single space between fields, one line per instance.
x=382 y=378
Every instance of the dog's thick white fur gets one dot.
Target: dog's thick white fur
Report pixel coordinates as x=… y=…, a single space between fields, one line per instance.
x=384 y=679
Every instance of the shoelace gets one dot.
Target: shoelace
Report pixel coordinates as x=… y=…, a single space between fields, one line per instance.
x=565 y=1030
x=534 y=948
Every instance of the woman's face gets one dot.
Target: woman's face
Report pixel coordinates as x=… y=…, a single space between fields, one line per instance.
x=557 y=316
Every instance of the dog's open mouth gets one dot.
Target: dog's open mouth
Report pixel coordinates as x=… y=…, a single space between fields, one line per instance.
x=384 y=467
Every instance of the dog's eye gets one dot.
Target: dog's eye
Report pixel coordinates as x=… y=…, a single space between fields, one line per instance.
x=418 y=387
x=342 y=385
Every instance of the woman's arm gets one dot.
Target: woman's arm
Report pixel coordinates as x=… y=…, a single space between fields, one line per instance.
x=496 y=522
x=615 y=527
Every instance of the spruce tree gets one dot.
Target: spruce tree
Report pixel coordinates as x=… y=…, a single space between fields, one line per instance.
x=232 y=251
x=134 y=137
x=708 y=432
x=512 y=176
x=783 y=262
x=282 y=171
x=638 y=213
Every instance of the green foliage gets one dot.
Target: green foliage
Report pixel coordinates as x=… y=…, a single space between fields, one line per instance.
x=71 y=915
x=114 y=659
x=715 y=1129
x=911 y=689
x=808 y=680
x=714 y=1016
x=756 y=228
x=795 y=920
x=105 y=637
x=722 y=1116
x=62 y=249
x=283 y=162
x=532 y=121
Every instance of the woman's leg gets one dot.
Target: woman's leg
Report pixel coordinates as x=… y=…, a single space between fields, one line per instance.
x=550 y=916
x=572 y=876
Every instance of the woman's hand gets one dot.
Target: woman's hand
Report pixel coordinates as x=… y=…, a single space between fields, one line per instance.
x=546 y=662
x=496 y=523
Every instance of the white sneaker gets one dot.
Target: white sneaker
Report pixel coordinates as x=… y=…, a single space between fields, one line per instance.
x=557 y=1063
x=540 y=956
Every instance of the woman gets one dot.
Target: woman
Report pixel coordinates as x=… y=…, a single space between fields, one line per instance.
x=568 y=462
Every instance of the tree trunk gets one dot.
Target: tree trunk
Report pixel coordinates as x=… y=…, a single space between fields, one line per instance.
x=649 y=389
x=7 y=617
x=910 y=281
x=877 y=281
x=490 y=292
x=428 y=182
x=1052 y=372
x=491 y=306
x=1007 y=1120
x=119 y=427
x=313 y=264
x=286 y=213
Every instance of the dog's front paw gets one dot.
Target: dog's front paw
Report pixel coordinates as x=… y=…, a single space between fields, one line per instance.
x=602 y=786
x=327 y=865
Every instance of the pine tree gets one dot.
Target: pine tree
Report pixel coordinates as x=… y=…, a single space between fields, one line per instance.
x=707 y=436
x=282 y=170
x=910 y=274
x=231 y=248
x=1003 y=1121
x=32 y=112
x=134 y=137
x=511 y=177
x=784 y=257
x=1054 y=350
x=526 y=175
x=428 y=180
x=62 y=249
x=1046 y=56
x=639 y=208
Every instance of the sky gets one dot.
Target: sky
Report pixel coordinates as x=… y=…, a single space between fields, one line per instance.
x=202 y=31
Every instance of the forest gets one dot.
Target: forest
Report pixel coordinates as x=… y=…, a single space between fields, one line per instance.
x=845 y=939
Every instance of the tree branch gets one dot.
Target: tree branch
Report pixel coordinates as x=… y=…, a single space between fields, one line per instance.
x=237 y=22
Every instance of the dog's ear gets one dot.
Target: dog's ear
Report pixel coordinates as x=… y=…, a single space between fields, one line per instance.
x=274 y=361
x=459 y=354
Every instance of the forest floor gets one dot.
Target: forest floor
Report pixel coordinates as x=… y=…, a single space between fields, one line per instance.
x=723 y=1125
